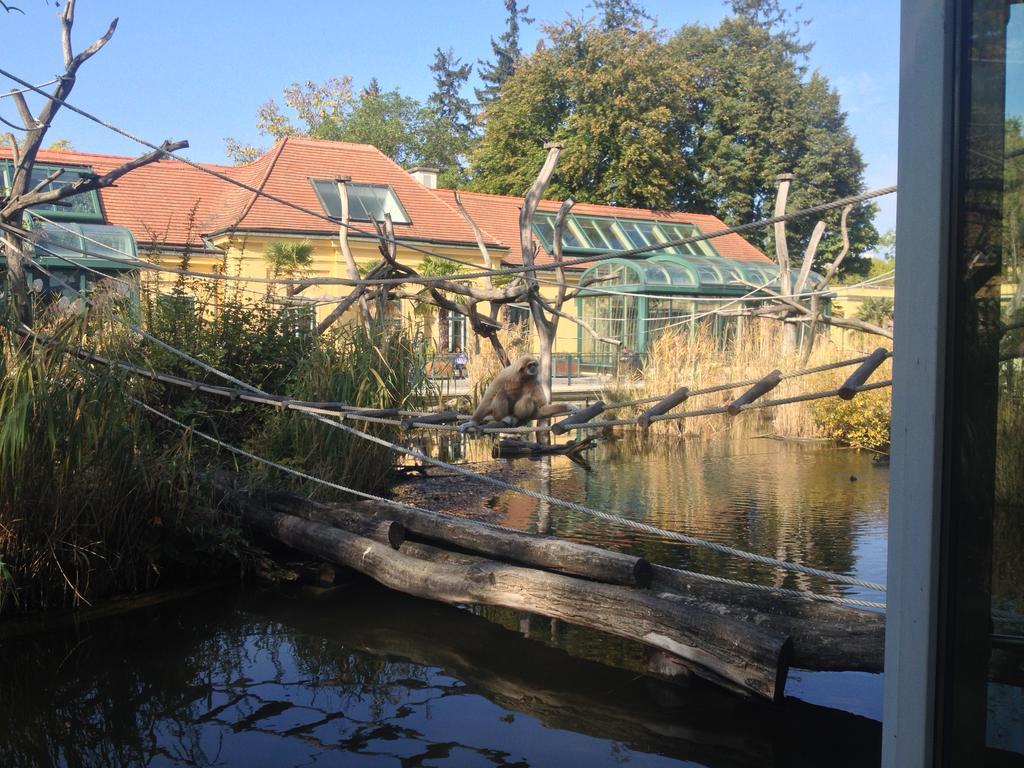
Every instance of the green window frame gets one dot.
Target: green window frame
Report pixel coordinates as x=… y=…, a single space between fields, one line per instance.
x=84 y=207
x=604 y=234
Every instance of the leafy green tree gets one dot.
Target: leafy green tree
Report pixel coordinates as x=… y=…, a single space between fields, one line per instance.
x=506 y=54
x=757 y=114
x=332 y=110
x=703 y=121
x=386 y=119
x=608 y=96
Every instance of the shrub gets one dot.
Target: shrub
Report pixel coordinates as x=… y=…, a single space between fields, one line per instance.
x=862 y=422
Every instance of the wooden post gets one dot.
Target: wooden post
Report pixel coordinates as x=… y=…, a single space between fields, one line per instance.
x=864 y=370
x=678 y=397
x=763 y=387
x=782 y=253
x=580 y=417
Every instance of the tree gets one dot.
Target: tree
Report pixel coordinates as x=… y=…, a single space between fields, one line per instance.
x=317 y=106
x=506 y=54
x=757 y=114
x=703 y=121
x=611 y=97
x=391 y=122
x=621 y=14
x=448 y=119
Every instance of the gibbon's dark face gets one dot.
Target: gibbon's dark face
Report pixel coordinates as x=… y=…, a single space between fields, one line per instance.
x=531 y=368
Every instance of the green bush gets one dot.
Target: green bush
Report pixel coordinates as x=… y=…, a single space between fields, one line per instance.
x=862 y=422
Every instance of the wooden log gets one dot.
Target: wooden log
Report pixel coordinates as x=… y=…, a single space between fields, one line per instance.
x=379 y=528
x=380 y=413
x=826 y=636
x=678 y=397
x=547 y=552
x=748 y=656
x=387 y=532
x=579 y=417
x=445 y=417
x=510 y=448
x=864 y=370
x=763 y=387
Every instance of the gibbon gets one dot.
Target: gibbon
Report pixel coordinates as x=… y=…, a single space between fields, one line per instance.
x=514 y=397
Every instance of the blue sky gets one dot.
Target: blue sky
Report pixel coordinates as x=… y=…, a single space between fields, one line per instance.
x=199 y=70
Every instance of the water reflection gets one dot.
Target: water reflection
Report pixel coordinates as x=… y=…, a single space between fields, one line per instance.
x=813 y=504
x=360 y=676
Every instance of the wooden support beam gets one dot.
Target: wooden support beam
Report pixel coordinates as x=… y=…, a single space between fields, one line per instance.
x=579 y=417
x=678 y=397
x=763 y=387
x=756 y=660
x=864 y=370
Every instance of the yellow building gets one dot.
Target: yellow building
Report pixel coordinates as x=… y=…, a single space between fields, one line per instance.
x=226 y=222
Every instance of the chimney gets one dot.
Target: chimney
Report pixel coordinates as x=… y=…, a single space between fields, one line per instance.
x=425 y=176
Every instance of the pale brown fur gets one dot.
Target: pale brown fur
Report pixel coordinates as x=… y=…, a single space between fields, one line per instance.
x=514 y=397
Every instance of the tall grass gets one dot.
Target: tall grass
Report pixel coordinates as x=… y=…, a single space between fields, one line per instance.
x=385 y=371
x=91 y=500
x=96 y=496
x=697 y=360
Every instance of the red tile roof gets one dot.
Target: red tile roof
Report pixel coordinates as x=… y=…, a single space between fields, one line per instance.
x=499 y=215
x=171 y=203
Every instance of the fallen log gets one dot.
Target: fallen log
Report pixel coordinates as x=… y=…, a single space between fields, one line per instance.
x=826 y=636
x=537 y=550
x=747 y=656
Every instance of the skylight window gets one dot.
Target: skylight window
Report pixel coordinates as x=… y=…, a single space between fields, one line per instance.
x=609 y=234
x=84 y=206
x=365 y=201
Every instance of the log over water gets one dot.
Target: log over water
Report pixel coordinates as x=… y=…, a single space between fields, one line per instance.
x=749 y=657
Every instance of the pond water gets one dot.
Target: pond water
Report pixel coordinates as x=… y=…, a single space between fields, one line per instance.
x=357 y=675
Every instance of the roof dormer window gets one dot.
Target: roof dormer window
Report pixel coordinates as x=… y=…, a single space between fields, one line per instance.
x=365 y=201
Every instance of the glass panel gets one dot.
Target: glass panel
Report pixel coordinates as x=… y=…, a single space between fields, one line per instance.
x=81 y=207
x=364 y=199
x=109 y=241
x=981 y=630
x=593 y=233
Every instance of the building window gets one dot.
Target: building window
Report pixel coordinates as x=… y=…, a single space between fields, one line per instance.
x=365 y=201
x=84 y=206
x=451 y=331
x=608 y=233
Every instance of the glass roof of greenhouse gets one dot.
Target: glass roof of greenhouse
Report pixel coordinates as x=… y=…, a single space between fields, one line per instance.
x=59 y=244
x=691 y=275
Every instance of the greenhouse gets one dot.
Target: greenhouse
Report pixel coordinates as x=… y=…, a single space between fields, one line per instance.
x=636 y=300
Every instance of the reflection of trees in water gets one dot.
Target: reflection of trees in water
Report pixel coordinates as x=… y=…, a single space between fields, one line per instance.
x=794 y=502
x=226 y=682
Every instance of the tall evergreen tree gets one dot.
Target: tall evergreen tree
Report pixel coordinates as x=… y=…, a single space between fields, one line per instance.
x=448 y=126
x=506 y=54
x=450 y=74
